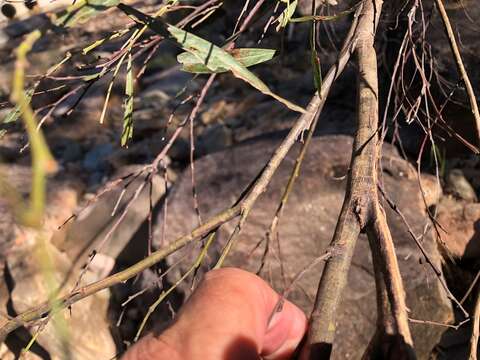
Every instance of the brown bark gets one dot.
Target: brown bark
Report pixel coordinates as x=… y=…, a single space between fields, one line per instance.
x=362 y=211
x=392 y=339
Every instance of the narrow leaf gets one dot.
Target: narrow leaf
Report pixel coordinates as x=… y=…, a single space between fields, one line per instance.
x=82 y=10
x=286 y=15
x=127 y=133
x=206 y=52
x=315 y=58
x=15 y=113
x=317 y=71
x=42 y=160
x=246 y=57
x=110 y=87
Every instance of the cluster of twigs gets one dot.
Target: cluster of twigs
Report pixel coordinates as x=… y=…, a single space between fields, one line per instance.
x=362 y=209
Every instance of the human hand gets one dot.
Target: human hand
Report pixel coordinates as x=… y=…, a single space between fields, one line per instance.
x=227 y=318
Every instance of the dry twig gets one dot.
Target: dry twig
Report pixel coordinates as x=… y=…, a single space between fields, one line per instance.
x=460 y=66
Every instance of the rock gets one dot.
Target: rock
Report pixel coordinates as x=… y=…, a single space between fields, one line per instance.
x=96 y=158
x=87 y=325
x=68 y=151
x=15 y=183
x=6 y=230
x=215 y=138
x=10 y=146
x=180 y=150
x=459 y=186
x=36 y=268
x=305 y=231
x=95 y=222
x=96 y=163
x=460 y=221
x=4 y=38
x=165 y=85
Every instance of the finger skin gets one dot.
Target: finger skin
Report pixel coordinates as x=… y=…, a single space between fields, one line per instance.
x=227 y=317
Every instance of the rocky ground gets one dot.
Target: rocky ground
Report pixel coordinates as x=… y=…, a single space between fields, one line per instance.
x=234 y=133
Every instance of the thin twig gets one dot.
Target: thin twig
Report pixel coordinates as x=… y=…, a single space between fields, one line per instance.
x=461 y=68
x=475 y=330
x=436 y=323
x=422 y=249
x=165 y=293
x=470 y=288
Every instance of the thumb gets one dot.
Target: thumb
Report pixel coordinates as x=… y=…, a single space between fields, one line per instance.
x=231 y=315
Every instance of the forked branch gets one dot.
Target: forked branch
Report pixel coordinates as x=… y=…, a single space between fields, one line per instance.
x=362 y=211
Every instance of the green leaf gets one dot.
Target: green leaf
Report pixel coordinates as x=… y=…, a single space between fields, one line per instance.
x=317 y=71
x=110 y=87
x=82 y=10
x=95 y=76
x=315 y=58
x=127 y=133
x=207 y=53
x=15 y=113
x=246 y=57
x=287 y=14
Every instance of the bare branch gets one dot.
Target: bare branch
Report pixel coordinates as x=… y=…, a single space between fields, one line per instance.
x=360 y=193
x=394 y=333
x=460 y=66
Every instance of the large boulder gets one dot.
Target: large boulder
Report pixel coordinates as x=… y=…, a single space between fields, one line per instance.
x=306 y=229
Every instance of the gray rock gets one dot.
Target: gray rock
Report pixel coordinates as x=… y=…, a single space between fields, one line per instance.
x=95 y=222
x=4 y=38
x=306 y=229
x=215 y=138
x=68 y=150
x=165 y=85
x=458 y=185
x=96 y=158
